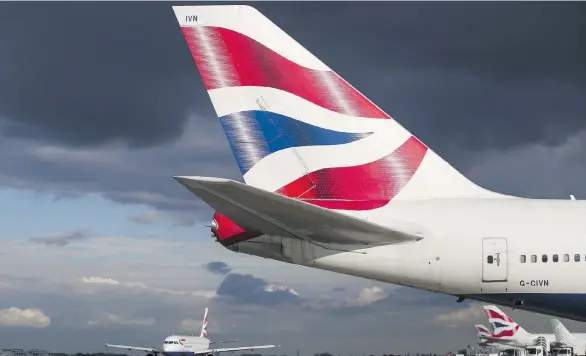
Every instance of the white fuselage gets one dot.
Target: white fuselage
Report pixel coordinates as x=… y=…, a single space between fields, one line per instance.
x=185 y=344
x=529 y=339
x=452 y=258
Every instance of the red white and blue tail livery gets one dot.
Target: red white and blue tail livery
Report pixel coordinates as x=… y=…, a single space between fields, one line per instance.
x=485 y=338
x=503 y=326
x=508 y=332
x=484 y=335
x=333 y=182
x=204 y=325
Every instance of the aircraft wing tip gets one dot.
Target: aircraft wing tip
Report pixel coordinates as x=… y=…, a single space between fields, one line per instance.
x=182 y=179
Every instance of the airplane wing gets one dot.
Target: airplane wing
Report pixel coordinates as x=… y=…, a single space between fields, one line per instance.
x=130 y=348
x=233 y=349
x=259 y=210
x=222 y=342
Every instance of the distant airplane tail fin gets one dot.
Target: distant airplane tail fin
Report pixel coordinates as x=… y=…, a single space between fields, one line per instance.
x=503 y=325
x=483 y=334
x=204 y=325
x=563 y=335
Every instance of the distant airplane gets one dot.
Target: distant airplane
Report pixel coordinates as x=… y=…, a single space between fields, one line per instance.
x=334 y=183
x=186 y=345
x=485 y=338
x=508 y=332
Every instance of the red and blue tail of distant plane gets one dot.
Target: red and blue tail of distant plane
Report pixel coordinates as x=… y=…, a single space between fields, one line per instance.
x=503 y=326
x=297 y=128
x=484 y=335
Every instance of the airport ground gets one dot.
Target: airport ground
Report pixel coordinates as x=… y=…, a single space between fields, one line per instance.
x=243 y=354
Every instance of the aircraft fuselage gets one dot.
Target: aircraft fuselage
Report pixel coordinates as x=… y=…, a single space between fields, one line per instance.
x=471 y=248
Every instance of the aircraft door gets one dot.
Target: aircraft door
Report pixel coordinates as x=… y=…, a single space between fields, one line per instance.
x=494 y=259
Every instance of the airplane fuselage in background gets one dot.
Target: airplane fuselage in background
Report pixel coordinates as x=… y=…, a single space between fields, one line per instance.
x=184 y=345
x=452 y=257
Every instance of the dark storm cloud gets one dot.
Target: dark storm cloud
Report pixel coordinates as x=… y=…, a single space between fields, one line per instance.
x=62 y=239
x=460 y=76
x=141 y=176
x=89 y=73
x=453 y=68
x=218 y=267
x=247 y=289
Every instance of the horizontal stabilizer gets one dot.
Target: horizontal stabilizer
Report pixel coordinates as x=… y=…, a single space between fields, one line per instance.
x=135 y=348
x=261 y=211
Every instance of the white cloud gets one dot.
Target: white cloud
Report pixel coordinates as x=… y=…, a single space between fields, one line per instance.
x=367 y=296
x=275 y=288
x=460 y=316
x=115 y=319
x=24 y=317
x=139 y=286
x=99 y=280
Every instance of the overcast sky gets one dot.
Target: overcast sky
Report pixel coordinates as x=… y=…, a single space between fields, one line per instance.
x=101 y=104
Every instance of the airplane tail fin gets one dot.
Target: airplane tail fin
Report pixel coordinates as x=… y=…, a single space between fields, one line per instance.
x=562 y=335
x=503 y=326
x=297 y=128
x=483 y=334
x=204 y=325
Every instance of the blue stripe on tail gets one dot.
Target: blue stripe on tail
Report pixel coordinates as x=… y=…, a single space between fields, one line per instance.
x=254 y=135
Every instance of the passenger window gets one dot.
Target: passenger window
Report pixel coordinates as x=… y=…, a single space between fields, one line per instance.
x=566 y=258
x=533 y=258
x=523 y=259
x=489 y=259
x=544 y=258
x=577 y=257
x=554 y=258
